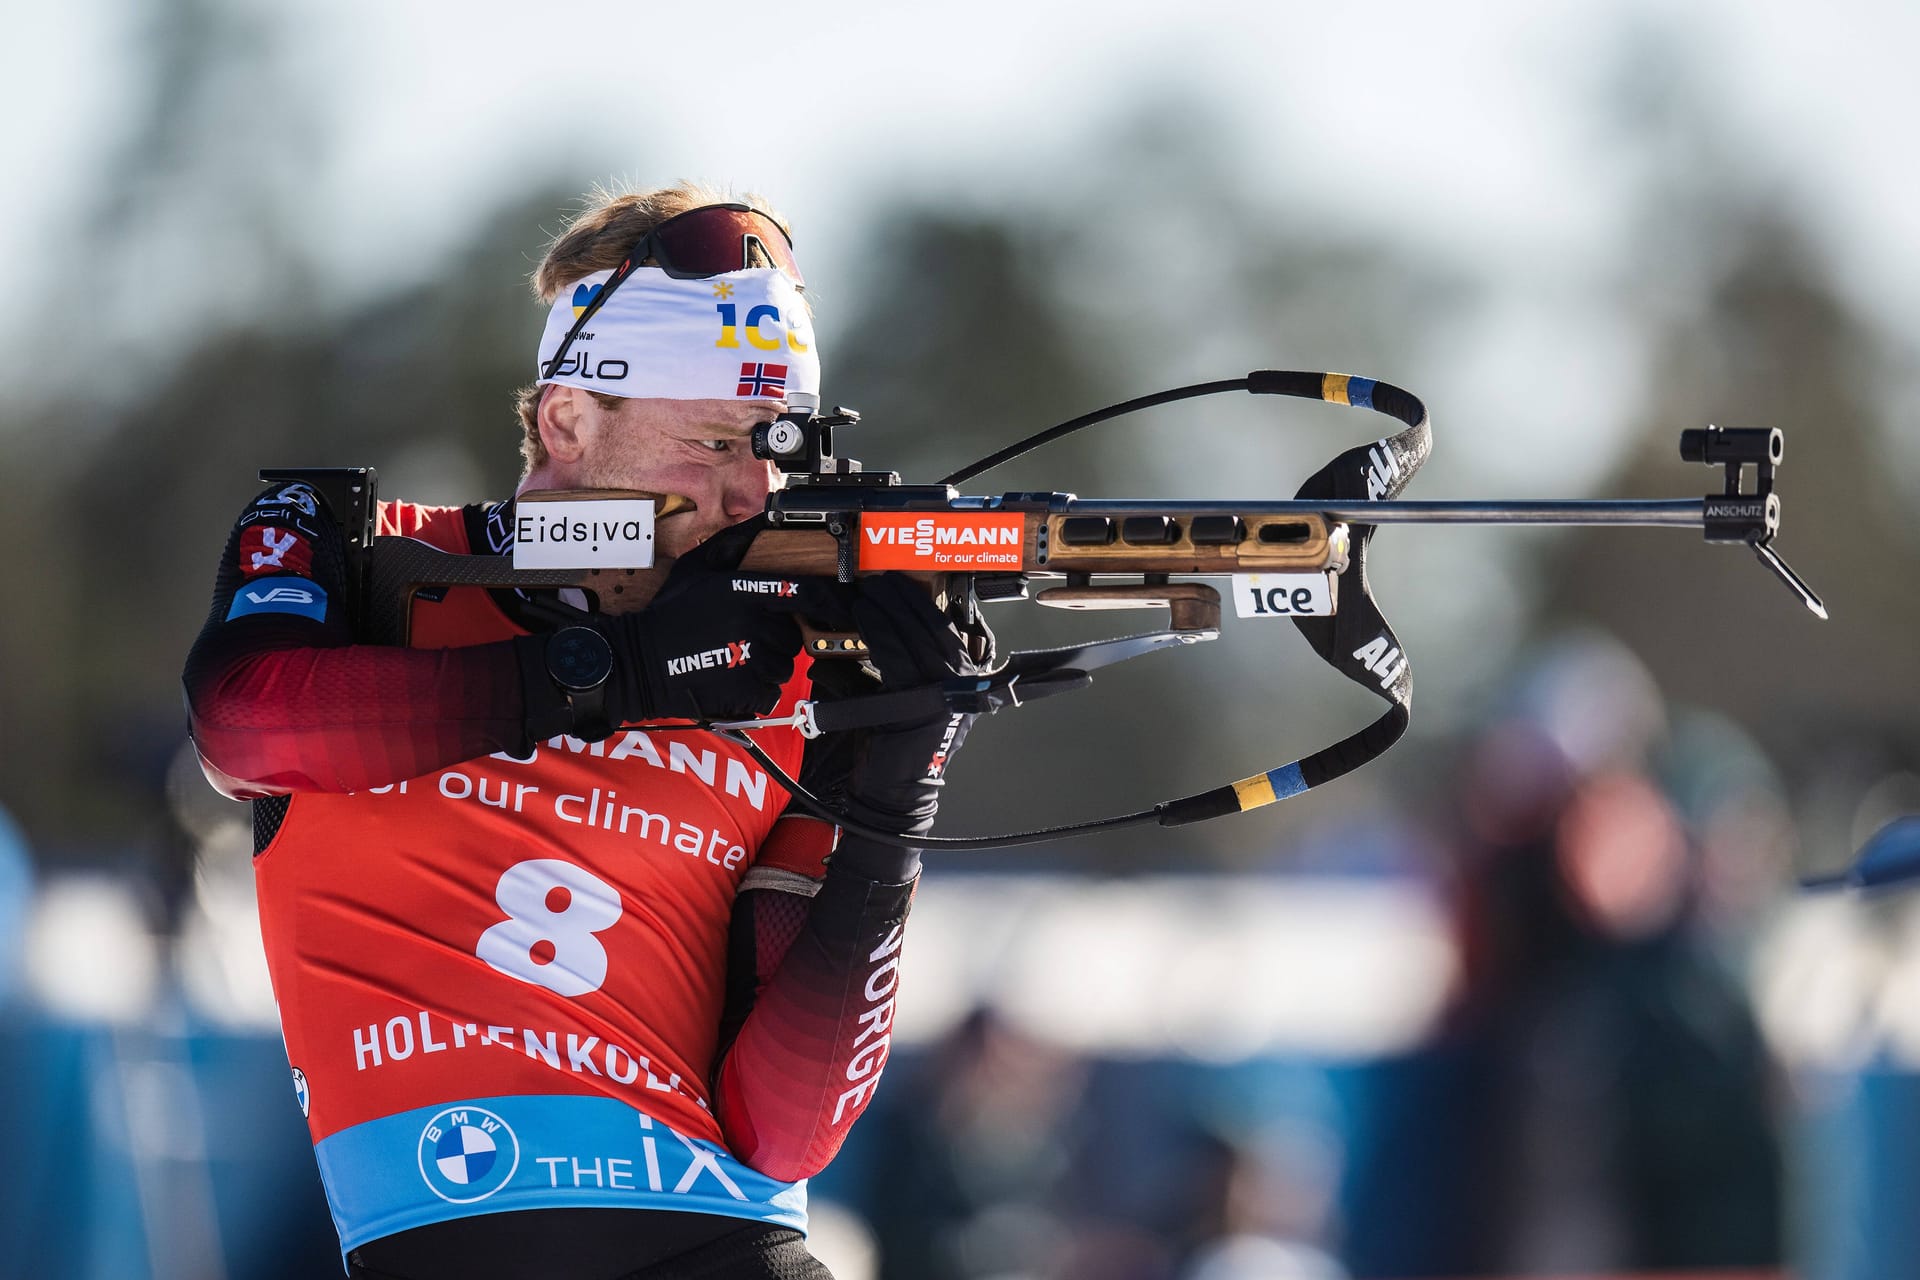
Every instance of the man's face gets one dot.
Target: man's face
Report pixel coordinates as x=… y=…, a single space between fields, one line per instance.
x=696 y=448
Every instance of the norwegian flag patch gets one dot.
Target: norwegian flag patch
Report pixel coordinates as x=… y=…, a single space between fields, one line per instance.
x=762 y=380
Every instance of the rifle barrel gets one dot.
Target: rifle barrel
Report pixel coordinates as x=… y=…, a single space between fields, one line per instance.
x=1675 y=512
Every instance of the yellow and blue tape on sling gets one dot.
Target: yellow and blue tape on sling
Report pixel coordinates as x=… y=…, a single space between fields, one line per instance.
x=1265 y=788
x=1342 y=480
x=1344 y=388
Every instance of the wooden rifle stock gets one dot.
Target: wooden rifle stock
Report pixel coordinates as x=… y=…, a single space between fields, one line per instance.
x=1147 y=545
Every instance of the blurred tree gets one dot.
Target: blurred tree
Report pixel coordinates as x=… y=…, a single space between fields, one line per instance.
x=199 y=214
x=416 y=382
x=1748 y=326
x=1772 y=344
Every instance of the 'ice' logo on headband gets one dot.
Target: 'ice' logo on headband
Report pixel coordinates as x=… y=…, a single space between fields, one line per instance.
x=656 y=337
x=768 y=380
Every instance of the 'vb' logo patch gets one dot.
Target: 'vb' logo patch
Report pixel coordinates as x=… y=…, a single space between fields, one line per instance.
x=280 y=595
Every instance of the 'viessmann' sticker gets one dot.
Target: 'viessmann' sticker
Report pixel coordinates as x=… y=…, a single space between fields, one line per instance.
x=947 y=542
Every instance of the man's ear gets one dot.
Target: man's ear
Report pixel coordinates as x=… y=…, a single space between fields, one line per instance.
x=559 y=419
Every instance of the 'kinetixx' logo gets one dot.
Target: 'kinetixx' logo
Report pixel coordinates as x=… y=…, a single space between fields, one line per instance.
x=731 y=654
x=765 y=587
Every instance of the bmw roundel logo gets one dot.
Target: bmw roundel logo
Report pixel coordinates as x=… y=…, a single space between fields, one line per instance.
x=301 y=1093
x=467 y=1154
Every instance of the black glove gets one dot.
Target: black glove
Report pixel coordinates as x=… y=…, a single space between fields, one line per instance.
x=897 y=771
x=715 y=644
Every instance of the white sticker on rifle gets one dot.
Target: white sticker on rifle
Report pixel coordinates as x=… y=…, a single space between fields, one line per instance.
x=583 y=533
x=1283 y=595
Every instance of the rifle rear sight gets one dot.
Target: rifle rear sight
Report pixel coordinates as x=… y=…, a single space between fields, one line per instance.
x=801 y=444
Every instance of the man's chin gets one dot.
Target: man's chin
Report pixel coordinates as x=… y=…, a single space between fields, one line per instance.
x=679 y=542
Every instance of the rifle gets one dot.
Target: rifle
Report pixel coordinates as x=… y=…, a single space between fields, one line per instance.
x=1302 y=558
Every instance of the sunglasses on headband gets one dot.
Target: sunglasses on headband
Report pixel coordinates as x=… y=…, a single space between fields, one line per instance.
x=716 y=239
x=709 y=241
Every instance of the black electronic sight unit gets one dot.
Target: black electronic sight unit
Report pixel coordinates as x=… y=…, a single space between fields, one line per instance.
x=801 y=444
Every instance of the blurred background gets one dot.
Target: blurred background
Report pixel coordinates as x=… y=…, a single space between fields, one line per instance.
x=1534 y=995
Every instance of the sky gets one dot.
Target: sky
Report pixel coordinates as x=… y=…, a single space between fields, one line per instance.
x=1464 y=128
x=1466 y=134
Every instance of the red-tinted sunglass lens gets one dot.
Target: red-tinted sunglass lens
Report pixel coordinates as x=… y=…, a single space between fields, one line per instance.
x=711 y=241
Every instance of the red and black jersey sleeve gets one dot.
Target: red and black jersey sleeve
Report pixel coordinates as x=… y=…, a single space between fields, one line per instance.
x=813 y=970
x=806 y=1059
x=279 y=698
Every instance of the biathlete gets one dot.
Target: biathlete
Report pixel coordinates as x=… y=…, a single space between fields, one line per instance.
x=566 y=991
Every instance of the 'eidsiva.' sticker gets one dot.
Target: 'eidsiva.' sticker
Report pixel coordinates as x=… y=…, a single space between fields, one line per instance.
x=584 y=533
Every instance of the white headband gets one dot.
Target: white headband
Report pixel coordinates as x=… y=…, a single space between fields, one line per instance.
x=742 y=335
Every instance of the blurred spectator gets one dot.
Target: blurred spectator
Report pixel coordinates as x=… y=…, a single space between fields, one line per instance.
x=1268 y=1215
x=971 y=1154
x=1624 y=1098
x=1002 y=1157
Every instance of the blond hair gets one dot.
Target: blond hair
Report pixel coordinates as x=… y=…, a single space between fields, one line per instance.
x=599 y=238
